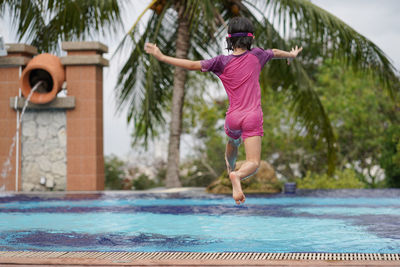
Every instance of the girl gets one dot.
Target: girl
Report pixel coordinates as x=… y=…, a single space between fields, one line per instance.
x=239 y=73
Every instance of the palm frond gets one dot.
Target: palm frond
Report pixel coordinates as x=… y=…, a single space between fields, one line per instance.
x=334 y=38
x=44 y=23
x=132 y=30
x=144 y=84
x=295 y=82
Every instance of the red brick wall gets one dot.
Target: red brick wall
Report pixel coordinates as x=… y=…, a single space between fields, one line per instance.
x=18 y=56
x=85 y=163
x=9 y=86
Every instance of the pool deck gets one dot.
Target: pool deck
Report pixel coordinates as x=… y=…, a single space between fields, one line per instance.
x=156 y=190
x=47 y=258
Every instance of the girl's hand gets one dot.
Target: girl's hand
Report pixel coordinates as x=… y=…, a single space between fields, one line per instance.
x=294 y=52
x=152 y=49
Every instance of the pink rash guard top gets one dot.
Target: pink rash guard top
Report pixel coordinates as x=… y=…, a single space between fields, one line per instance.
x=239 y=75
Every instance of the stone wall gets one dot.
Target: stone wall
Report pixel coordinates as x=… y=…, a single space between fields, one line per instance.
x=44 y=160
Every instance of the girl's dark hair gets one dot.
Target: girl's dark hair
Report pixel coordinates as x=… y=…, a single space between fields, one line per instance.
x=240 y=24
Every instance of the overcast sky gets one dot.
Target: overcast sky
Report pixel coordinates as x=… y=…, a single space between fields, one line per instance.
x=378 y=20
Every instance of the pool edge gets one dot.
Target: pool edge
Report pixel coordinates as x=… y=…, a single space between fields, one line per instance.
x=197 y=258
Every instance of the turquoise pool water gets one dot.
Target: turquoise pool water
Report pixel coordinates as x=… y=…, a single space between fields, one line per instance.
x=361 y=221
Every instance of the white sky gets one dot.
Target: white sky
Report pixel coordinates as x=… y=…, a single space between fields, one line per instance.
x=378 y=20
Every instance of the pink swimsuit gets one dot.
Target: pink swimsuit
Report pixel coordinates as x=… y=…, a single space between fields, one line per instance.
x=239 y=75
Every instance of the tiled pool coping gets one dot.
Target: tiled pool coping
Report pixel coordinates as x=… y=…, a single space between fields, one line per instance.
x=196 y=259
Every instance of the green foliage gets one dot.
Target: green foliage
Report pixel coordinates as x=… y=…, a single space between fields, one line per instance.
x=160 y=173
x=360 y=113
x=114 y=173
x=286 y=144
x=119 y=179
x=143 y=182
x=347 y=178
x=204 y=119
x=390 y=159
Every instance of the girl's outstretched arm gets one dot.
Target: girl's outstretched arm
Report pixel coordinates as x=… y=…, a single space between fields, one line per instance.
x=288 y=55
x=178 y=62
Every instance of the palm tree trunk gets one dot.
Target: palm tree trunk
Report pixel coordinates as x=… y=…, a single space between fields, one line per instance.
x=178 y=95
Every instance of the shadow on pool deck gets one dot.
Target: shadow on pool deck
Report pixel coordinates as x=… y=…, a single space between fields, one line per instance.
x=43 y=258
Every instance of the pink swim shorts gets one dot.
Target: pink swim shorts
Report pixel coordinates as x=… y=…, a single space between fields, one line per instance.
x=245 y=124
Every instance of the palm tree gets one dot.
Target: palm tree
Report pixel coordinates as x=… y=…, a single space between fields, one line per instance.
x=193 y=29
x=44 y=24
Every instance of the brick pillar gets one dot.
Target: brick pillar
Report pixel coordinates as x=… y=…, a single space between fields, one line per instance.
x=84 y=75
x=10 y=68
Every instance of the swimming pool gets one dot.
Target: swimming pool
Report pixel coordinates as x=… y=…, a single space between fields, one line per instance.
x=342 y=221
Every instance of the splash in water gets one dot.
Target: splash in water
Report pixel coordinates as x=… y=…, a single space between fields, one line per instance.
x=7 y=164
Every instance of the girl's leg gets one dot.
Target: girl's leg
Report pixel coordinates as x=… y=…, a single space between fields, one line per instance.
x=252 y=146
x=231 y=152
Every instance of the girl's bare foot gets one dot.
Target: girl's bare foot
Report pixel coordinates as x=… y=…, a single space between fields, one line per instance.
x=237 y=192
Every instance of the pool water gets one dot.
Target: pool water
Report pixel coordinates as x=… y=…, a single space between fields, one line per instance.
x=353 y=221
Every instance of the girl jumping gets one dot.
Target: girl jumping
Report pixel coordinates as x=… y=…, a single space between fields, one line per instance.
x=239 y=73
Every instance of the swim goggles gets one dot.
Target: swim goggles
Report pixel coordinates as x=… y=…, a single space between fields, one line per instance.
x=240 y=34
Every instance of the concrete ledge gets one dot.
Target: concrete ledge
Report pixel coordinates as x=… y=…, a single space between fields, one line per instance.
x=14 y=61
x=21 y=48
x=185 y=191
x=84 y=46
x=58 y=103
x=84 y=60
